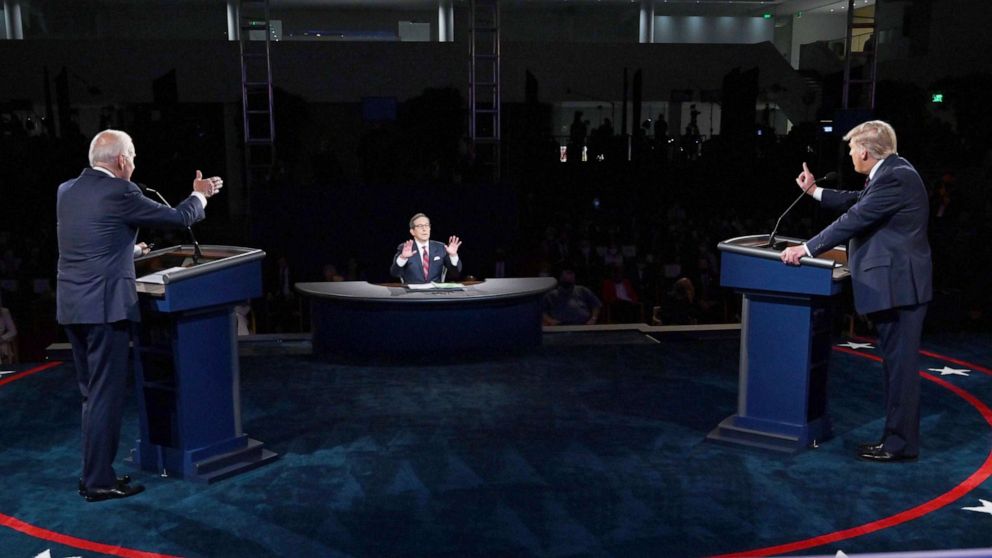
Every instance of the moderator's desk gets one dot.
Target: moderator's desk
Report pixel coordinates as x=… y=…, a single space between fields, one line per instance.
x=356 y=317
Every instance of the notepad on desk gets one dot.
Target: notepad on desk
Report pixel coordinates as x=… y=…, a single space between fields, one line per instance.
x=434 y=286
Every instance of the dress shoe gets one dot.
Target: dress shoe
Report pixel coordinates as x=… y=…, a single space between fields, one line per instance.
x=870 y=447
x=883 y=456
x=120 y=480
x=120 y=491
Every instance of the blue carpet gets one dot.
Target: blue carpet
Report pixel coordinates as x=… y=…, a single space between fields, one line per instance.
x=573 y=449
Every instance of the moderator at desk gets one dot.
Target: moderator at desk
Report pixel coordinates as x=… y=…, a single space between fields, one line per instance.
x=357 y=317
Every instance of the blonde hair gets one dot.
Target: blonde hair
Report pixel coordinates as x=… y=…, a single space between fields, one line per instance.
x=878 y=138
x=107 y=145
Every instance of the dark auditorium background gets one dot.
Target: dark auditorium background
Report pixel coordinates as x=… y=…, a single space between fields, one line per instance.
x=706 y=132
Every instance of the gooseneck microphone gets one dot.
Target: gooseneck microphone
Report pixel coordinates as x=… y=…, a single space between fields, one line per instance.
x=196 y=245
x=825 y=178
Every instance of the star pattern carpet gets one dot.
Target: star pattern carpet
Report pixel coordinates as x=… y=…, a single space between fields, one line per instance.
x=573 y=449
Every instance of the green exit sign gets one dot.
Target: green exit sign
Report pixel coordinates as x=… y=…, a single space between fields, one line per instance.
x=937 y=98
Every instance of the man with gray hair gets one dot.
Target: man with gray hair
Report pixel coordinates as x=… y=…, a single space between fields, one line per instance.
x=99 y=213
x=885 y=225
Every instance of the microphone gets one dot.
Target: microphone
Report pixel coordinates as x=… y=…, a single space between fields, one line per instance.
x=825 y=178
x=196 y=245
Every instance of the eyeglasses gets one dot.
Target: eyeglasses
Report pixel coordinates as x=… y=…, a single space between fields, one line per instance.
x=422 y=226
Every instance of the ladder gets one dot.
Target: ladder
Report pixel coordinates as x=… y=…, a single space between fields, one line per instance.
x=865 y=84
x=484 y=86
x=256 y=91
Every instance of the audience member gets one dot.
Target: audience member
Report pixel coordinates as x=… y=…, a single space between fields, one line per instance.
x=680 y=307
x=620 y=298
x=570 y=304
x=8 y=337
x=331 y=275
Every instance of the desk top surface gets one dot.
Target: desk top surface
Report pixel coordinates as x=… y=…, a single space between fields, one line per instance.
x=490 y=289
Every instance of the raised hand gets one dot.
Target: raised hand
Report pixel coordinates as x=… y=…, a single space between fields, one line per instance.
x=407 y=252
x=806 y=179
x=452 y=246
x=207 y=186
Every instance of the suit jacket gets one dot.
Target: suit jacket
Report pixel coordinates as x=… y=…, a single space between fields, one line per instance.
x=413 y=271
x=886 y=224
x=98 y=220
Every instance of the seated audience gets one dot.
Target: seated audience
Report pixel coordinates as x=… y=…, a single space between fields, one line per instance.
x=620 y=298
x=570 y=304
x=8 y=337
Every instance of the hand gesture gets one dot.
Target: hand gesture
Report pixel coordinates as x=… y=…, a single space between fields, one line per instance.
x=207 y=186
x=452 y=246
x=805 y=180
x=407 y=251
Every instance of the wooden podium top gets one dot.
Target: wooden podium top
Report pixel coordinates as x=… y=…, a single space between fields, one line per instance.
x=757 y=245
x=165 y=266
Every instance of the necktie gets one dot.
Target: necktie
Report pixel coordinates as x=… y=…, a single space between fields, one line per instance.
x=427 y=264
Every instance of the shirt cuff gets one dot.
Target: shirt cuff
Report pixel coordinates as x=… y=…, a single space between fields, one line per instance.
x=454 y=260
x=817 y=193
x=808 y=253
x=401 y=261
x=137 y=250
x=203 y=199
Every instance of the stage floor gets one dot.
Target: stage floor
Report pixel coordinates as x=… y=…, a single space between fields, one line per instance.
x=591 y=445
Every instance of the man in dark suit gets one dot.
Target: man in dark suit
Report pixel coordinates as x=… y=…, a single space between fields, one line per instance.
x=422 y=260
x=98 y=218
x=889 y=258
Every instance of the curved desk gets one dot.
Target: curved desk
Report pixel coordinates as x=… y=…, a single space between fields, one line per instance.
x=359 y=317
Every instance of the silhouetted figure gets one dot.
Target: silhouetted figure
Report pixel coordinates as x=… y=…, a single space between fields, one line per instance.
x=576 y=138
x=570 y=304
x=620 y=298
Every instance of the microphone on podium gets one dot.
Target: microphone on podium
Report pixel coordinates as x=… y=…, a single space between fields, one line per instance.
x=771 y=238
x=196 y=245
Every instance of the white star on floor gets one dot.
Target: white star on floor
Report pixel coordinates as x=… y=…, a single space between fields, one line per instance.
x=48 y=554
x=945 y=371
x=5 y=372
x=986 y=507
x=853 y=345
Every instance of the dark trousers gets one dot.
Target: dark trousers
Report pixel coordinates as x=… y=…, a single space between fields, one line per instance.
x=100 y=352
x=899 y=333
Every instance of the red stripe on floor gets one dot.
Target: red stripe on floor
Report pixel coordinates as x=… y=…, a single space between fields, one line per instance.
x=959 y=491
x=26 y=373
x=45 y=534
x=39 y=533
x=970 y=365
x=939 y=356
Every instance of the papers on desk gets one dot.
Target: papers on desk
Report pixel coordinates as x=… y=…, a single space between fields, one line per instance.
x=156 y=278
x=435 y=286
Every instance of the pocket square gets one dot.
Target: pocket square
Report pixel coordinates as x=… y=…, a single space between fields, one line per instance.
x=436 y=258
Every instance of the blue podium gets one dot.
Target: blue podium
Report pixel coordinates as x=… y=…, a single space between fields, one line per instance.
x=188 y=380
x=785 y=344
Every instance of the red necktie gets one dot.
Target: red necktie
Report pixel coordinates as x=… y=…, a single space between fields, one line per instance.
x=427 y=264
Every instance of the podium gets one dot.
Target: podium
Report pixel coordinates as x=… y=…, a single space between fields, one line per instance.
x=785 y=343
x=188 y=380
